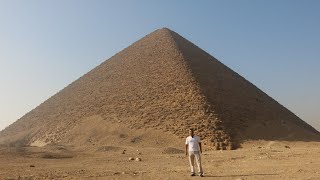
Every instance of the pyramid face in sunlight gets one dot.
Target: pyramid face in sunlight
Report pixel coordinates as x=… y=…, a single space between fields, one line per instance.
x=164 y=82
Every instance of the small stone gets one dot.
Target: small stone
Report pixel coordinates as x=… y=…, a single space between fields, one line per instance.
x=138 y=159
x=131 y=158
x=32 y=165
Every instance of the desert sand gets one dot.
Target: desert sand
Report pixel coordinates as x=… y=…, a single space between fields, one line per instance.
x=160 y=160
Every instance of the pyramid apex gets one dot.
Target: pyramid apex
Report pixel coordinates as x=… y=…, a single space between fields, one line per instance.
x=165 y=29
x=160 y=33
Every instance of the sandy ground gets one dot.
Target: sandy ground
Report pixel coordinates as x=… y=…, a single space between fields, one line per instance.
x=256 y=160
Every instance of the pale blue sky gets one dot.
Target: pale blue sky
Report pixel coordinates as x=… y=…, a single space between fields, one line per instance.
x=45 y=45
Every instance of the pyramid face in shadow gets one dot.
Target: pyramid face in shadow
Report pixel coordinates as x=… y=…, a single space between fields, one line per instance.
x=164 y=82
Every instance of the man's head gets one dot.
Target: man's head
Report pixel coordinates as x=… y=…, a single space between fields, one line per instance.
x=191 y=132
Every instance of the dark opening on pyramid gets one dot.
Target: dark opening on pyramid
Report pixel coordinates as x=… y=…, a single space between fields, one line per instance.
x=164 y=81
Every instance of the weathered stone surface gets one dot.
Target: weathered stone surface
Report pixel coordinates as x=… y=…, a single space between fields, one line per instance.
x=165 y=82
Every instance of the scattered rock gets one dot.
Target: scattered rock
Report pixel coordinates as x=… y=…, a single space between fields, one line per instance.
x=138 y=159
x=32 y=165
x=230 y=146
x=131 y=158
x=288 y=147
x=136 y=140
x=123 y=135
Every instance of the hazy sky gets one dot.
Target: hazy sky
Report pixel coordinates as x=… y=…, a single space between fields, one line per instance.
x=45 y=45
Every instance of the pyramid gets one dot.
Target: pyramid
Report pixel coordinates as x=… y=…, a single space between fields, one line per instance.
x=163 y=82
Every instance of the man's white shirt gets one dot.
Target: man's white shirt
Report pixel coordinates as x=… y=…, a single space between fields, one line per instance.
x=193 y=143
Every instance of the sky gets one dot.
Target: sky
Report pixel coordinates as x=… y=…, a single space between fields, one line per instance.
x=45 y=45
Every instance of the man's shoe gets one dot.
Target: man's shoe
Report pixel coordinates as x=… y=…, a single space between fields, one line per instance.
x=201 y=174
x=192 y=174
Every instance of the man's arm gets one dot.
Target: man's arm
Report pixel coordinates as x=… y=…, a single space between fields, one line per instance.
x=200 y=147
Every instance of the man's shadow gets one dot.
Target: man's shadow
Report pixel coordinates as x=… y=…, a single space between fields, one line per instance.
x=239 y=175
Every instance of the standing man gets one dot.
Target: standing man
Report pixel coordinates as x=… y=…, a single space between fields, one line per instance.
x=193 y=146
